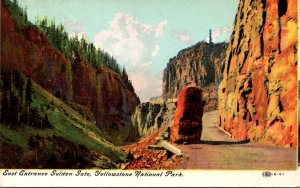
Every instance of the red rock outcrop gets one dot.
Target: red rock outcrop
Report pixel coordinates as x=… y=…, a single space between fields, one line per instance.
x=110 y=97
x=187 y=126
x=257 y=96
x=199 y=65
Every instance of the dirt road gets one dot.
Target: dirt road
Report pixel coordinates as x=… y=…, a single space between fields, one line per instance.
x=217 y=150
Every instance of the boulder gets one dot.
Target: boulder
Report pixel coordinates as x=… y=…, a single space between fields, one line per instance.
x=187 y=126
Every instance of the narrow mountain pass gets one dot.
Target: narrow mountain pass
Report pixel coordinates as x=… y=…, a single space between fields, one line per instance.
x=217 y=150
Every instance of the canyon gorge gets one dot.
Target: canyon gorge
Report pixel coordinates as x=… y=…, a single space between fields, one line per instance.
x=79 y=114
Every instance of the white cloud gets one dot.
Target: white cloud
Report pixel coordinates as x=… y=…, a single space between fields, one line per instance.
x=160 y=28
x=134 y=44
x=219 y=32
x=155 y=51
x=184 y=37
x=131 y=41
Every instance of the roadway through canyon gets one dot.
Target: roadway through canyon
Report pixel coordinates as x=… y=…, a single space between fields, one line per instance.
x=217 y=150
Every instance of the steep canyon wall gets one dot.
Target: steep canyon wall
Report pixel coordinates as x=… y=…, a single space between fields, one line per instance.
x=199 y=65
x=110 y=97
x=257 y=96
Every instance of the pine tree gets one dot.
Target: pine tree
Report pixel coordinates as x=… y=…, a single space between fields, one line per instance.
x=28 y=98
x=47 y=123
x=124 y=74
x=13 y=109
x=210 y=36
x=25 y=15
x=15 y=3
x=4 y=107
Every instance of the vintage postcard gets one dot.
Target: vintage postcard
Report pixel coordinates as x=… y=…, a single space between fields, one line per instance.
x=149 y=93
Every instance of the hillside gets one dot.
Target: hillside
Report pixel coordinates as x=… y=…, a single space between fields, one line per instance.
x=38 y=130
x=257 y=96
x=107 y=93
x=59 y=111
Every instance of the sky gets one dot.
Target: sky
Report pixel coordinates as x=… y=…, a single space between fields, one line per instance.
x=142 y=35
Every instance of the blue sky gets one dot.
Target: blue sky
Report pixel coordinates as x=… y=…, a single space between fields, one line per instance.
x=142 y=35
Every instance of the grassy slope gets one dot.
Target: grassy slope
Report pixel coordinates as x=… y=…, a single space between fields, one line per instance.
x=67 y=124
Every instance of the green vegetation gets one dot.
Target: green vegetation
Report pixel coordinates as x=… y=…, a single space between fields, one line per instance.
x=56 y=136
x=210 y=36
x=18 y=14
x=75 y=50
x=16 y=101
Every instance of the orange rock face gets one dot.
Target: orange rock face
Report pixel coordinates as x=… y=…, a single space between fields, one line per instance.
x=187 y=126
x=257 y=96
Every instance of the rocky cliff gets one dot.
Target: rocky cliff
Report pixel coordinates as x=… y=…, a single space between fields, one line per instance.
x=199 y=65
x=110 y=97
x=257 y=96
x=150 y=117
